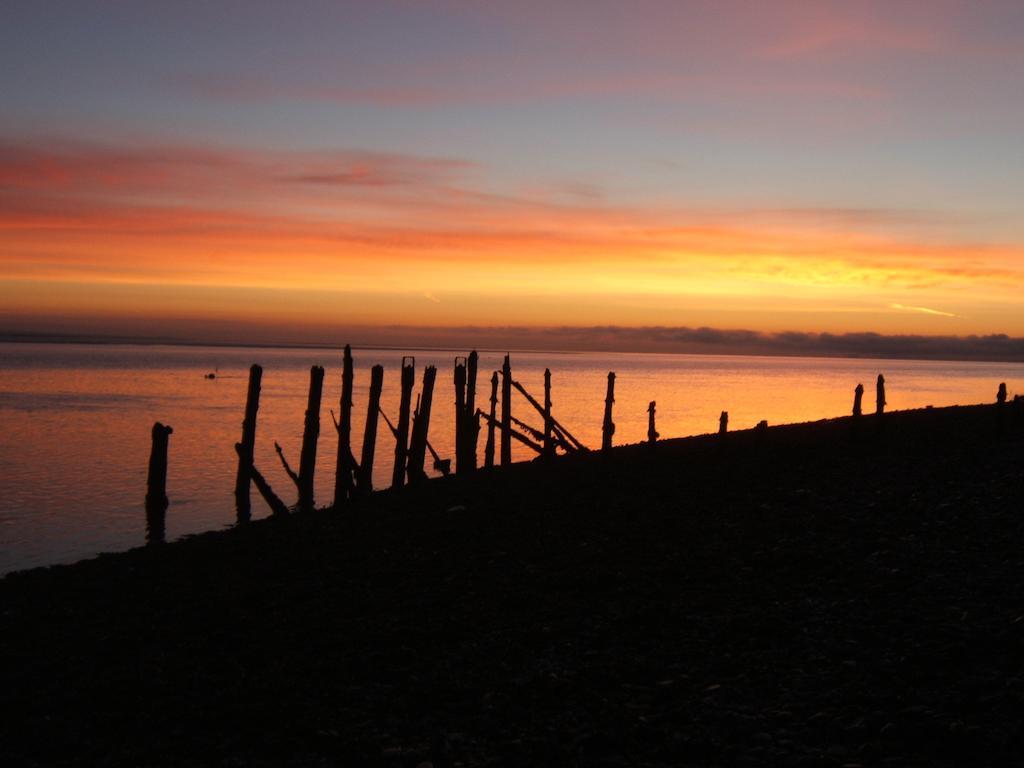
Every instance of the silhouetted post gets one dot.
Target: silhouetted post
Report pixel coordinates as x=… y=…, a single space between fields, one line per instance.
x=1001 y=394
x=858 y=397
x=156 y=485
x=608 y=427
x=652 y=433
x=549 y=445
x=344 y=479
x=880 y=395
x=1001 y=410
x=506 y=412
x=460 y=413
x=310 y=436
x=402 y=430
x=723 y=423
x=364 y=472
x=243 y=505
x=420 y=427
x=277 y=507
x=472 y=421
x=489 y=446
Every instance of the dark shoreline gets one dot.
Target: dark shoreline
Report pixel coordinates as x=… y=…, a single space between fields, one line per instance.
x=810 y=595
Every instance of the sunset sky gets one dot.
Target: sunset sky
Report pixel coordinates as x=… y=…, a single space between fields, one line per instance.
x=257 y=172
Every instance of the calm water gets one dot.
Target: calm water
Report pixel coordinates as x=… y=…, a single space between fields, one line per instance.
x=75 y=421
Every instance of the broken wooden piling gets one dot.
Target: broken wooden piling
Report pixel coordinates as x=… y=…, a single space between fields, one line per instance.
x=310 y=436
x=506 y=412
x=561 y=435
x=608 y=426
x=156 y=484
x=723 y=423
x=364 y=472
x=652 y=433
x=402 y=430
x=858 y=396
x=880 y=395
x=460 y=412
x=420 y=428
x=344 y=470
x=277 y=507
x=243 y=504
x=489 y=446
x=549 y=445
x=467 y=462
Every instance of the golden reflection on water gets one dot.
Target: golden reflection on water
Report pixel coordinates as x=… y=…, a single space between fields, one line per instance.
x=75 y=420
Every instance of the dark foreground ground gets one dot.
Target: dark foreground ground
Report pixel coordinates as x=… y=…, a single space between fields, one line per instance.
x=791 y=598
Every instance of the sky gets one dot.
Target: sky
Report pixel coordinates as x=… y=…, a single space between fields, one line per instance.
x=317 y=171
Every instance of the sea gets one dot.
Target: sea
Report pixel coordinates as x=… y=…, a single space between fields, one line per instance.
x=76 y=420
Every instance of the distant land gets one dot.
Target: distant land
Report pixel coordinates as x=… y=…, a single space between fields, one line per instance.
x=611 y=338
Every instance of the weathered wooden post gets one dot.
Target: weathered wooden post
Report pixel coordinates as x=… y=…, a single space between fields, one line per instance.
x=489 y=446
x=1001 y=410
x=156 y=485
x=858 y=396
x=506 y=412
x=344 y=469
x=652 y=433
x=608 y=427
x=472 y=418
x=364 y=472
x=880 y=395
x=1001 y=394
x=723 y=423
x=310 y=436
x=461 y=416
x=243 y=504
x=549 y=444
x=420 y=428
x=402 y=430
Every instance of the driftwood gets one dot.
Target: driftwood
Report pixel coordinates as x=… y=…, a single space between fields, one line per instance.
x=608 y=426
x=506 y=412
x=652 y=433
x=243 y=504
x=512 y=433
x=277 y=507
x=364 y=472
x=284 y=463
x=562 y=434
x=489 y=446
x=402 y=430
x=345 y=468
x=421 y=426
x=156 y=485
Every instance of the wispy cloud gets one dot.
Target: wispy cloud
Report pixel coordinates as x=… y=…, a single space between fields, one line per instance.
x=922 y=310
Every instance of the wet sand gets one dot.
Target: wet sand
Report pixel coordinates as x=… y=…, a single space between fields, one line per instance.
x=811 y=595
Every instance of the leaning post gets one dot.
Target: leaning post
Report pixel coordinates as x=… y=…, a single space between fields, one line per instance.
x=421 y=428
x=364 y=472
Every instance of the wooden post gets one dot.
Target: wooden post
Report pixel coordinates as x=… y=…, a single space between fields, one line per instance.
x=489 y=446
x=461 y=417
x=608 y=427
x=156 y=485
x=506 y=412
x=402 y=430
x=243 y=504
x=858 y=396
x=420 y=428
x=1001 y=394
x=344 y=469
x=880 y=395
x=549 y=445
x=472 y=419
x=652 y=433
x=723 y=423
x=364 y=472
x=310 y=436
